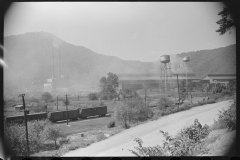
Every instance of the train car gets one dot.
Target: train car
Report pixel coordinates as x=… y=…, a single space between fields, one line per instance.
x=37 y=116
x=101 y=111
x=15 y=119
x=84 y=113
x=62 y=115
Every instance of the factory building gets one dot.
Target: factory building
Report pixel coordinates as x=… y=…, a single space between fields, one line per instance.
x=219 y=78
x=152 y=81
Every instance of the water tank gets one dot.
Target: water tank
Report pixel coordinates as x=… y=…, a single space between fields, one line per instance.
x=165 y=59
x=186 y=59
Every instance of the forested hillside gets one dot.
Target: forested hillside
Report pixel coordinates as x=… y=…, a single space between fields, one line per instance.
x=29 y=59
x=214 y=61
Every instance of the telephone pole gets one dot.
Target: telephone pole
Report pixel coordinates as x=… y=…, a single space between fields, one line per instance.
x=67 y=109
x=178 y=93
x=25 y=120
x=57 y=103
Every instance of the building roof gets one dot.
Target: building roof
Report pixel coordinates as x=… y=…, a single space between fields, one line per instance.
x=220 y=75
x=153 y=75
x=18 y=106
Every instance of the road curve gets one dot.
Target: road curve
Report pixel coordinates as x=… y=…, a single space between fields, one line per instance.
x=118 y=145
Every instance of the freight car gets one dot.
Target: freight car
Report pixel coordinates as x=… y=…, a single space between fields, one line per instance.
x=60 y=115
x=87 y=112
x=20 y=119
x=63 y=115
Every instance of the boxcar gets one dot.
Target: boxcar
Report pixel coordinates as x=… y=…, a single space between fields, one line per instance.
x=102 y=111
x=84 y=113
x=15 y=119
x=62 y=115
x=37 y=116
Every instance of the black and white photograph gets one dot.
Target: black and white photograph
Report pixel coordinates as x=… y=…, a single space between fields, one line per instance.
x=119 y=79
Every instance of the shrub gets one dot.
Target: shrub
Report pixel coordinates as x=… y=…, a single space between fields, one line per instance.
x=39 y=107
x=111 y=124
x=228 y=117
x=158 y=114
x=101 y=104
x=92 y=96
x=53 y=133
x=46 y=97
x=64 y=141
x=183 y=144
x=100 y=137
x=164 y=103
x=15 y=137
x=122 y=115
x=132 y=111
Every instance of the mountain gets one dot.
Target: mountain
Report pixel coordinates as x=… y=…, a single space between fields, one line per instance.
x=29 y=58
x=214 y=61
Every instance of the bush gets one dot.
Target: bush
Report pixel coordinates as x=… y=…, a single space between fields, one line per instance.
x=100 y=137
x=164 y=103
x=92 y=96
x=46 y=97
x=101 y=104
x=132 y=111
x=15 y=137
x=39 y=107
x=111 y=124
x=228 y=117
x=64 y=141
x=183 y=144
x=158 y=114
x=53 y=133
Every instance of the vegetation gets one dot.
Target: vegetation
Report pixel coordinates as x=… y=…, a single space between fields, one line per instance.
x=227 y=118
x=164 y=103
x=133 y=110
x=15 y=137
x=46 y=97
x=109 y=86
x=53 y=133
x=92 y=96
x=183 y=144
x=111 y=124
x=226 y=22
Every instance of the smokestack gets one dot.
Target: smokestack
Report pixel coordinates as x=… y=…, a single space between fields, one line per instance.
x=53 y=63
x=58 y=63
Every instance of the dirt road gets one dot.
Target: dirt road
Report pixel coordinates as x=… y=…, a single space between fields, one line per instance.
x=118 y=144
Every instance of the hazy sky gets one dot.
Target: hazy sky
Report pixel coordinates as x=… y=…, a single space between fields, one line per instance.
x=129 y=30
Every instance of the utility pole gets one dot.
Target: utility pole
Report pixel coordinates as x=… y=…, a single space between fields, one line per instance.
x=178 y=93
x=67 y=109
x=145 y=93
x=25 y=120
x=57 y=103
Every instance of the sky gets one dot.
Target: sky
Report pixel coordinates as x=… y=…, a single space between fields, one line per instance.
x=141 y=31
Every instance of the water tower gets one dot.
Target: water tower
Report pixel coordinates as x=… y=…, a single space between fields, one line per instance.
x=186 y=59
x=165 y=59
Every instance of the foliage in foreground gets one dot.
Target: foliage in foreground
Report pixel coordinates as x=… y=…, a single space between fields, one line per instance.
x=38 y=132
x=183 y=144
x=133 y=110
x=227 y=118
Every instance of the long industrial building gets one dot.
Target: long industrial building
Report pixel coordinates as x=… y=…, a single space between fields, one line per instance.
x=152 y=81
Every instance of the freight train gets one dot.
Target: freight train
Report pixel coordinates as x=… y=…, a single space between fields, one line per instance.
x=60 y=115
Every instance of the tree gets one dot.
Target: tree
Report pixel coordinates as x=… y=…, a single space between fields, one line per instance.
x=227 y=22
x=92 y=96
x=109 y=85
x=66 y=102
x=46 y=97
x=53 y=132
